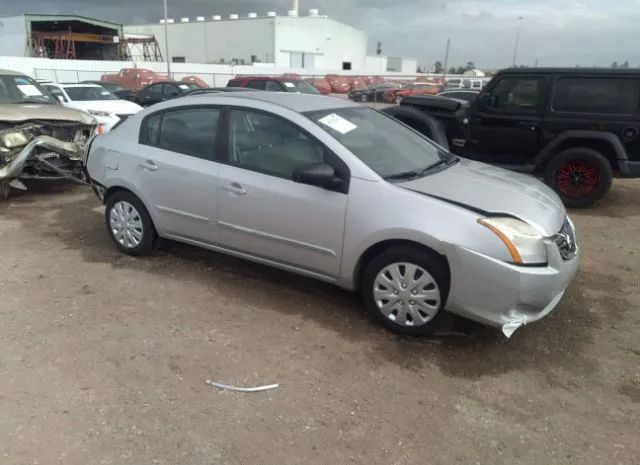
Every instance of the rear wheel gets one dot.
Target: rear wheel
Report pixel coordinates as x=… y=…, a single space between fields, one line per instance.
x=398 y=100
x=581 y=176
x=405 y=289
x=363 y=98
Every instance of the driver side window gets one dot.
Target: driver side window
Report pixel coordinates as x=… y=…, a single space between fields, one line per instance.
x=57 y=93
x=266 y=144
x=517 y=95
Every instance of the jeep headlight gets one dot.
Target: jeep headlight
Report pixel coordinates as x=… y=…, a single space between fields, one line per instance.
x=524 y=242
x=12 y=140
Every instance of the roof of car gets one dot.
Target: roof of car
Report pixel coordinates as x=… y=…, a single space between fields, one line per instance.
x=8 y=72
x=300 y=103
x=569 y=71
x=70 y=84
x=267 y=78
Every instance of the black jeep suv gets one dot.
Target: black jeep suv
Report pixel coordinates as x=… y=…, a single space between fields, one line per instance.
x=575 y=127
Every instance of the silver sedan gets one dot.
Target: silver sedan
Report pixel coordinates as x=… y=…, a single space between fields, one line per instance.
x=339 y=192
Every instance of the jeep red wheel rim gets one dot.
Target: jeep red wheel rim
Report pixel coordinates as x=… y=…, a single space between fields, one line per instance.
x=577 y=179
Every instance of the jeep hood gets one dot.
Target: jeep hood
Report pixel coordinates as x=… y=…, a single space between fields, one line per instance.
x=16 y=113
x=495 y=191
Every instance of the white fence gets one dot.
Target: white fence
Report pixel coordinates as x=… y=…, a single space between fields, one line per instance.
x=215 y=75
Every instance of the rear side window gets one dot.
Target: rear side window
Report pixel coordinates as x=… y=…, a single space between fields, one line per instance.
x=273 y=86
x=154 y=91
x=597 y=95
x=191 y=131
x=256 y=85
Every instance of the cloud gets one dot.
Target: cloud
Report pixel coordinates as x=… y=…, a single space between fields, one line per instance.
x=556 y=32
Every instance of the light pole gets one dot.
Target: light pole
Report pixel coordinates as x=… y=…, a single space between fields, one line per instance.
x=515 y=49
x=166 y=39
x=446 y=61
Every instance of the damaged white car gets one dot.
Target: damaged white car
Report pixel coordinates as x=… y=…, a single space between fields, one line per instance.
x=39 y=138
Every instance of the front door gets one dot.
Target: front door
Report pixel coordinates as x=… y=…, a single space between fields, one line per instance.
x=262 y=211
x=177 y=171
x=507 y=130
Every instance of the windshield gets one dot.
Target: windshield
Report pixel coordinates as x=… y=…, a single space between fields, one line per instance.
x=385 y=145
x=299 y=87
x=85 y=94
x=110 y=86
x=23 y=89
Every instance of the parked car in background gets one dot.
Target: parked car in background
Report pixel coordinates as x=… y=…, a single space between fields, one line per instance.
x=135 y=78
x=357 y=82
x=116 y=89
x=397 y=95
x=373 y=92
x=321 y=85
x=288 y=180
x=218 y=90
x=274 y=84
x=574 y=127
x=161 y=91
x=368 y=80
x=105 y=107
x=339 y=84
x=460 y=94
x=39 y=138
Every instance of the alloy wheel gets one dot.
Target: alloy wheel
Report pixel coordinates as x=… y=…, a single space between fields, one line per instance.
x=126 y=224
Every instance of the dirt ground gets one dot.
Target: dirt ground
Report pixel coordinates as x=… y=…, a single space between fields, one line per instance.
x=104 y=357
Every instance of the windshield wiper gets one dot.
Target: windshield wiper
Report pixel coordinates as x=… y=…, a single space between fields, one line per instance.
x=421 y=172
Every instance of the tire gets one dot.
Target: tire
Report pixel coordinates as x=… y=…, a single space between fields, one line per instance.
x=407 y=313
x=137 y=220
x=580 y=176
x=364 y=98
x=425 y=124
x=5 y=190
x=398 y=100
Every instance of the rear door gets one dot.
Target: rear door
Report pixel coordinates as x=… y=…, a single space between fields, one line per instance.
x=265 y=213
x=508 y=129
x=177 y=170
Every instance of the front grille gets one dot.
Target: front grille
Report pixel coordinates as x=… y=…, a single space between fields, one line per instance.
x=566 y=240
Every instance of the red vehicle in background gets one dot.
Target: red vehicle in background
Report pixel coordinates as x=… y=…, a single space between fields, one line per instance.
x=135 y=78
x=339 y=84
x=201 y=83
x=321 y=85
x=369 y=80
x=357 y=82
x=397 y=95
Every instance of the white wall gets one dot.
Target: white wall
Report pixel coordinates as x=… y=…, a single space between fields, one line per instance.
x=409 y=65
x=331 y=41
x=210 y=41
x=13 y=36
x=376 y=64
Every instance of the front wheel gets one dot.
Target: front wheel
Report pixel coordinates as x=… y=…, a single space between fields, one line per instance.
x=398 y=100
x=405 y=289
x=129 y=224
x=580 y=176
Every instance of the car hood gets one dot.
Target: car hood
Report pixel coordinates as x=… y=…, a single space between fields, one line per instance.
x=13 y=112
x=495 y=191
x=119 y=107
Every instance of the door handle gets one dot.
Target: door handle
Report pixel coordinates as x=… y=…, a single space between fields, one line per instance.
x=149 y=165
x=235 y=188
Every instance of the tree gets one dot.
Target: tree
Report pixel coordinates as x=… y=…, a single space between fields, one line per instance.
x=614 y=64
x=438 y=67
x=379 y=49
x=453 y=70
x=625 y=65
x=470 y=65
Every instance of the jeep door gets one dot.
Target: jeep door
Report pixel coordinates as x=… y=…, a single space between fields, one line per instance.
x=504 y=125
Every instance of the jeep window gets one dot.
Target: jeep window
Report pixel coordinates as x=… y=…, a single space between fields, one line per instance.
x=597 y=95
x=23 y=89
x=517 y=95
x=89 y=94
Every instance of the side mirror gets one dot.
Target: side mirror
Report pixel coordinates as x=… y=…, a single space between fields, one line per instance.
x=317 y=174
x=483 y=101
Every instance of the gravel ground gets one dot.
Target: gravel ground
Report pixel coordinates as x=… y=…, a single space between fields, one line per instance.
x=104 y=357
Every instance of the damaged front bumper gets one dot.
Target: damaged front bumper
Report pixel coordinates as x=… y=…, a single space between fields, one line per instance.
x=13 y=168
x=504 y=295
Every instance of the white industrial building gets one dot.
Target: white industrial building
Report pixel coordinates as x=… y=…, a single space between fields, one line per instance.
x=311 y=41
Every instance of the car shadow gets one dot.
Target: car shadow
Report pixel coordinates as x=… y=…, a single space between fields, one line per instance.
x=463 y=349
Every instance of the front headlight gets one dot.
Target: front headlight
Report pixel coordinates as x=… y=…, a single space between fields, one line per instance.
x=11 y=140
x=524 y=242
x=104 y=114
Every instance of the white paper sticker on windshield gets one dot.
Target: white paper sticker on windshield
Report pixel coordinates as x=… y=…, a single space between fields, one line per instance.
x=105 y=92
x=29 y=90
x=183 y=86
x=289 y=84
x=338 y=123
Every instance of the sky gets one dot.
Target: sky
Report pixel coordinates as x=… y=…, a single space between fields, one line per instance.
x=553 y=32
